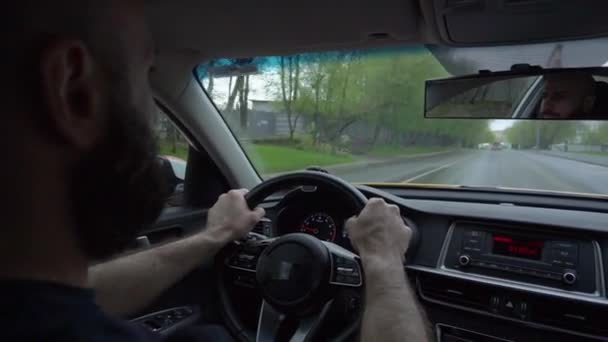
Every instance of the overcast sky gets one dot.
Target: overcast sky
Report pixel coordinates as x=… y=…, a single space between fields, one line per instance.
x=499 y=125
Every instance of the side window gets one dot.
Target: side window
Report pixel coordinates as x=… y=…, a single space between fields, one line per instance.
x=173 y=154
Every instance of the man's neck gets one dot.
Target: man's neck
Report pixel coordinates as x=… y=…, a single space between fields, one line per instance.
x=39 y=240
x=46 y=255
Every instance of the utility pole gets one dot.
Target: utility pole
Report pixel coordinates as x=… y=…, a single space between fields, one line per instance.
x=537 y=135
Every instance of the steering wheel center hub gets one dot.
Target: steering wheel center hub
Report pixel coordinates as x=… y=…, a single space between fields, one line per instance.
x=293 y=273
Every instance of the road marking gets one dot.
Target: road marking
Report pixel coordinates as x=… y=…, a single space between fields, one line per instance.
x=431 y=171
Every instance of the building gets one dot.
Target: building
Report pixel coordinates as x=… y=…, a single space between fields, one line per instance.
x=278 y=120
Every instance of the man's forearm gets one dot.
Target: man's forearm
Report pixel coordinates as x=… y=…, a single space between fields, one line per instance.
x=391 y=309
x=130 y=283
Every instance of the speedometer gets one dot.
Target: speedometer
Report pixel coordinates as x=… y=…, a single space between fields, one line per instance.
x=320 y=225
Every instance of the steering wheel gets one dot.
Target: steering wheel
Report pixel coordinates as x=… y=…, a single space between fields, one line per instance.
x=298 y=276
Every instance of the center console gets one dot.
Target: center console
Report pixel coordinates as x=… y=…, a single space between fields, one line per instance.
x=548 y=260
x=545 y=280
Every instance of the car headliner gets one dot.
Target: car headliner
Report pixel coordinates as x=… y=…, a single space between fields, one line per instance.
x=242 y=28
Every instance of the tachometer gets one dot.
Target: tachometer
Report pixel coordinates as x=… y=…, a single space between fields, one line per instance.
x=320 y=225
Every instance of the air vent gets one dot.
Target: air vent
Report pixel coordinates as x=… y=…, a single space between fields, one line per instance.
x=549 y=311
x=453 y=292
x=263 y=227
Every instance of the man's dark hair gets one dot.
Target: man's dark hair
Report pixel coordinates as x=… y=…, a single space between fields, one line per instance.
x=28 y=26
x=115 y=188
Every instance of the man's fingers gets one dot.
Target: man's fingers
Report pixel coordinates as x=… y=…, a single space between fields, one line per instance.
x=374 y=202
x=394 y=209
x=238 y=192
x=350 y=223
x=371 y=206
x=259 y=213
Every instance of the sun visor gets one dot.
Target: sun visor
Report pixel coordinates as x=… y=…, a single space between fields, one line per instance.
x=476 y=22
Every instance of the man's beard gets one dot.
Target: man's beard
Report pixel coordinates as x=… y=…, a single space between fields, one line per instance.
x=117 y=189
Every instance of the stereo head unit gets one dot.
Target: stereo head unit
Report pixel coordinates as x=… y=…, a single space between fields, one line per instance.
x=533 y=257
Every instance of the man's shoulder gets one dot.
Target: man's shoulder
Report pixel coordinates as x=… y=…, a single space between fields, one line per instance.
x=48 y=312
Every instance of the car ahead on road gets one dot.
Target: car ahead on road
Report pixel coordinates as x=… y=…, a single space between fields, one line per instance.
x=496 y=146
x=510 y=246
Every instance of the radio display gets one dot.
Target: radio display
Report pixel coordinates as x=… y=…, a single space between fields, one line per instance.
x=517 y=247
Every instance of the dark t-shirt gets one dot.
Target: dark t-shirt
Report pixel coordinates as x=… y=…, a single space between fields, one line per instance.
x=37 y=311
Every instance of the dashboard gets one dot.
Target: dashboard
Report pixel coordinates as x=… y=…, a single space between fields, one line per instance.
x=504 y=268
x=315 y=212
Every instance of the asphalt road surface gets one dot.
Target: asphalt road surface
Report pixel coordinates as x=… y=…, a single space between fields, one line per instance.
x=507 y=168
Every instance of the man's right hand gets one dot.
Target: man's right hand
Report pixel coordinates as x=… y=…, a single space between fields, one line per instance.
x=379 y=232
x=391 y=311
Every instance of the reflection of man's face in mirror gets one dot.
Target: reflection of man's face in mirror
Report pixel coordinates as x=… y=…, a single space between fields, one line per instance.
x=567 y=95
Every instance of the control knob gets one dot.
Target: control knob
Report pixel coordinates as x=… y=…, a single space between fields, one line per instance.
x=569 y=277
x=464 y=260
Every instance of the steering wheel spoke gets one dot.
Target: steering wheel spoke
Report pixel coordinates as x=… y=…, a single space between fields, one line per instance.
x=243 y=259
x=346 y=267
x=271 y=321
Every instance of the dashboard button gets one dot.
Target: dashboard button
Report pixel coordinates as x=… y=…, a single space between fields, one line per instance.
x=528 y=272
x=522 y=310
x=555 y=276
x=569 y=278
x=564 y=245
x=474 y=233
x=565 y=255
x=346 y=270
x=516 y=270
x=352 y=280
x=472 y=242
x=494 y=303
x=508 y=305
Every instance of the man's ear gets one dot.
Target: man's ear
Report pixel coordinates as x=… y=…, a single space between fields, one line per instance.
x=588 y=104
x=72 y=91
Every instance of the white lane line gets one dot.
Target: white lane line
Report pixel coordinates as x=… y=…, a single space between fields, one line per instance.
x=431 y=171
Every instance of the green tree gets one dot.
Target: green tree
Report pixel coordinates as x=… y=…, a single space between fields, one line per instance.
x=384 y=90
x=596 y=135
x=540 y=134
x=290 y=85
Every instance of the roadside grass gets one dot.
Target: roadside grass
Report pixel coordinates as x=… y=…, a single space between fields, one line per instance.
x=181 y=150
x=594 y=153
x=269 y=158
x=275 y=158
x=394 y=150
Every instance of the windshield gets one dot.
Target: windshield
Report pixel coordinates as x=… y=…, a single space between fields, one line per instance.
x=359 y=115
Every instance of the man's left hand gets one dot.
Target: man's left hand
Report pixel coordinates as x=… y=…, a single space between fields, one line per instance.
x=230 y=218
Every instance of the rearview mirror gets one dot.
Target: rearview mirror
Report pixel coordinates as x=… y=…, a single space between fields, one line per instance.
x=524 y=92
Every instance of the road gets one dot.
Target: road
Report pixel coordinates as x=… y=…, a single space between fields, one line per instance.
x=507 y=168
